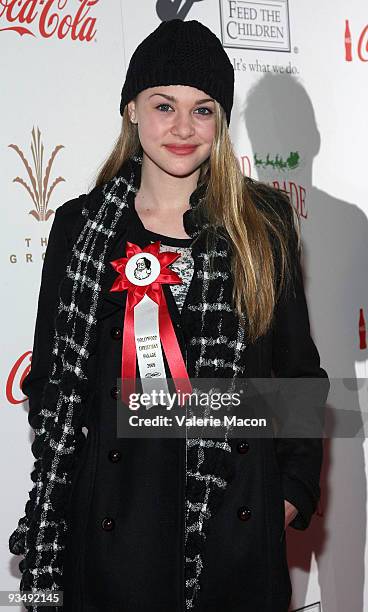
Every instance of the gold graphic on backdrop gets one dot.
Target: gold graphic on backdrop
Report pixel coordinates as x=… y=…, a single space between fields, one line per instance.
x=39 y=189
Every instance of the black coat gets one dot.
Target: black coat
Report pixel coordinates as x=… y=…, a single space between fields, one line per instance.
x=124 y=550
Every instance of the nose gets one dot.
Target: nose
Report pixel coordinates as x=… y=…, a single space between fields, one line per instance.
x=183 y=125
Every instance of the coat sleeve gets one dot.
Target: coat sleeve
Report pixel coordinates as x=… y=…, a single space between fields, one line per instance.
x=55 y=261
x=65 y=227
x=54 y=265
x=294 y=355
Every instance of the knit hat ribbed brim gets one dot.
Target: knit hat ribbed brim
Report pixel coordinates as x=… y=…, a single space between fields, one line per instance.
x=181 y=53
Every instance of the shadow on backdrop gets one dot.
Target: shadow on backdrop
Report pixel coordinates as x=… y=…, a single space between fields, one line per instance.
x=278 y=112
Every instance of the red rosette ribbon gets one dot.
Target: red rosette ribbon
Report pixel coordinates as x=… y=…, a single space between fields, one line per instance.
x=152 y=289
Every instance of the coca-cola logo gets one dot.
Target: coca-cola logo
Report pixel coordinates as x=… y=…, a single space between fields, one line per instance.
x=16 y=376
x=49 y=18
x=358 y=44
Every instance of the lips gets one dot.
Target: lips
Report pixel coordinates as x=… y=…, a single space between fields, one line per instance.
x=181 y=149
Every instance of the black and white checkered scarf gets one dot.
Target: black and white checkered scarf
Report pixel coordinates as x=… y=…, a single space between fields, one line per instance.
x=215 y=349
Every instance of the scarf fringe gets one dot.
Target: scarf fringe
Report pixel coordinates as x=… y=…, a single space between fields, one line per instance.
x=210 y=471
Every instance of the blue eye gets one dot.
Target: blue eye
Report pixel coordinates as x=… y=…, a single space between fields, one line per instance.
x=206 y=109
x=162 y=105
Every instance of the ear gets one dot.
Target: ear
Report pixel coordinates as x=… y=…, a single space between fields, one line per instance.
x=132 y=111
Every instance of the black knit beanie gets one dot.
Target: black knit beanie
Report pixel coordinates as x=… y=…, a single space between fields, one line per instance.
x=181 y=53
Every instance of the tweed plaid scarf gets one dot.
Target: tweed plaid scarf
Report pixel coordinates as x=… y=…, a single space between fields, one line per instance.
x=216 y=349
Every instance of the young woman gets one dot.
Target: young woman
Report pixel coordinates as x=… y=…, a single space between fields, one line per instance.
x=168 y=524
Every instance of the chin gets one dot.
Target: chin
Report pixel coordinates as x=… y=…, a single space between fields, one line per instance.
x=181 y=166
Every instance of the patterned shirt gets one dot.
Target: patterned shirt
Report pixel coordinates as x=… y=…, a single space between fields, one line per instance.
x=183 y=266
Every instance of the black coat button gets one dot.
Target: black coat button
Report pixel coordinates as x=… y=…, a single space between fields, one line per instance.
x=242 y=447
x=114 y=455
x=114 y=392
x=108 y=523
x=244 y=513
x=115 y=333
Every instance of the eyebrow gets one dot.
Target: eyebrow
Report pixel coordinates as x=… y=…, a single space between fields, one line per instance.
x=173 y=99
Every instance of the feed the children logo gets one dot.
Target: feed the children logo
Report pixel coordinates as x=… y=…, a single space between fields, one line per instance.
x=255 y=25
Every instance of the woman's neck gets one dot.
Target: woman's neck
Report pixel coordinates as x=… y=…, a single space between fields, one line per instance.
x=162 y=200
x=161 y=220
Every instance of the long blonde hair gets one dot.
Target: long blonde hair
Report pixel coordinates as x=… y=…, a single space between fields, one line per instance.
x=242 y=206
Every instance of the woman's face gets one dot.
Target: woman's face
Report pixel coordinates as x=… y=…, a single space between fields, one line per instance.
x=176 y=126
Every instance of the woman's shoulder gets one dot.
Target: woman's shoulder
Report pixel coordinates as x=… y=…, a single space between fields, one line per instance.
x=269 y=199
x=283 y=223
x=276 y=205
x=71 y=209
x=72 y=213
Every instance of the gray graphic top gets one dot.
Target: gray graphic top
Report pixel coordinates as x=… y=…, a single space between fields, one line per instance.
x=183 y=266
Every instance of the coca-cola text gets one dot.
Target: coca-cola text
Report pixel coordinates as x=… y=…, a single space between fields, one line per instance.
x=48 y=18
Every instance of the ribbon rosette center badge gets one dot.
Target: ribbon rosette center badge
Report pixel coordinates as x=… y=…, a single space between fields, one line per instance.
x=148 y=328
